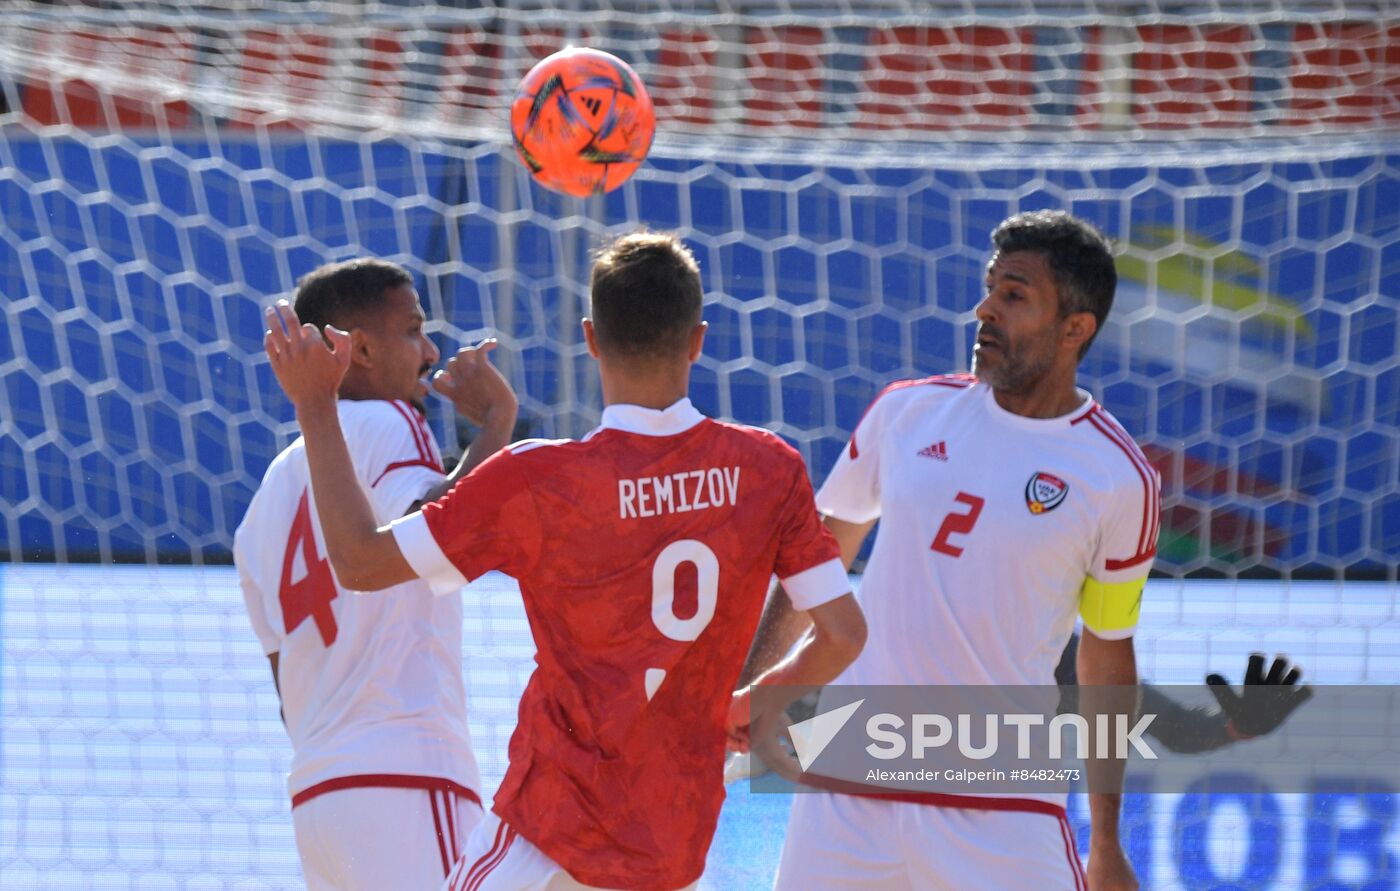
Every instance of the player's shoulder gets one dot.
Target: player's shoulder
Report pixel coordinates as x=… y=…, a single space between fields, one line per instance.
x=536 y=456
x=545 y=449
x=289 y=461
x=918 y=391
x=372 y=424
x=1121 y=456
x=760 y=439
x=936 y=387
x=285 y=474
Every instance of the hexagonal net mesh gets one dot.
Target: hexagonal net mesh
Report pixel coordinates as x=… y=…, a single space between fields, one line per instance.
x=165 y=170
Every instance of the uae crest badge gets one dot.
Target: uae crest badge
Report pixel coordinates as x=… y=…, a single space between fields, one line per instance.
x=1044 y=492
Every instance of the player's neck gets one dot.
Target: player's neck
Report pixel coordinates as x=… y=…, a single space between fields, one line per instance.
x=354 y=386
x=1048 y=398
x=650 y=387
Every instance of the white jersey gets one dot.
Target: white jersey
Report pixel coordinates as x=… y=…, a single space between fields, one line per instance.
x=995 y=531
x=372 y=685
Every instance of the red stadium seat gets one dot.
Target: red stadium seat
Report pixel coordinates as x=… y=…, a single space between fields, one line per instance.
x=470 y=86
x=283 y=68
x=681 y=83
x=1345 y=74
x=1189 y=76
x=785 y=72
x=142 y=54
x=945 y=78
x=383 y=67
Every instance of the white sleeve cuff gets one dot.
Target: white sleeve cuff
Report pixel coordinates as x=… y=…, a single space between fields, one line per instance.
x=820 y=584
x=424 y=555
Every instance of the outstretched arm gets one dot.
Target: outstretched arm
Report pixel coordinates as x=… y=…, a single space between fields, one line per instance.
x=1183 y=729
x=1264 y=702
x=364 y=556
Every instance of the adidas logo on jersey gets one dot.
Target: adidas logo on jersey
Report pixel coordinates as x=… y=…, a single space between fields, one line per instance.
x=938 y=450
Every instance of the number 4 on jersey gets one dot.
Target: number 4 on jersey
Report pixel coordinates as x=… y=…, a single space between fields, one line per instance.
x=311 y=595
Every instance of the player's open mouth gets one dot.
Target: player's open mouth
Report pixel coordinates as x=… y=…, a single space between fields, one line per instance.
x=988 y=340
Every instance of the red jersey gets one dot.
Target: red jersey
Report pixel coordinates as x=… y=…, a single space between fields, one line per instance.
x=644 y=554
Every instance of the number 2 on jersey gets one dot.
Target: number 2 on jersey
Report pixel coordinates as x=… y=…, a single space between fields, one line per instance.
x=663 y=596
x=311 y=595
x=957 y=524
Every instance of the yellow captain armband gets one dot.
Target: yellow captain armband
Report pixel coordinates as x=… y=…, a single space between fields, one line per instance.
x=1109 y=607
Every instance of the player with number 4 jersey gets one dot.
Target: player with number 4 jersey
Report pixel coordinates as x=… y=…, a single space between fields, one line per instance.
x=643 y=553
x=383 y=782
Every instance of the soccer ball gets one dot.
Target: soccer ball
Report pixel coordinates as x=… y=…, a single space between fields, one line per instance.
x=582 y=121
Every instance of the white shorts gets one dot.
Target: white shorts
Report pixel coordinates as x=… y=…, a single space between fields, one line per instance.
x=498 y=858
x=852 y=843
x=372 y=838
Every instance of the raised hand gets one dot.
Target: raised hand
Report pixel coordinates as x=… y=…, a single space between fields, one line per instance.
x=478 y=391
x=1265 y=701
x=309 y=369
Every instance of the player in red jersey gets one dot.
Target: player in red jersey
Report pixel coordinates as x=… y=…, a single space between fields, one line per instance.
x=643 y=552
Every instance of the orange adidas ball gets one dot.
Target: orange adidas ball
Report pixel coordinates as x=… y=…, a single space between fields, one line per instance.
x=582 y=122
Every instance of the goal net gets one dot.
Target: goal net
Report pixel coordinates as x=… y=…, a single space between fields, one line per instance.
x=167 y=169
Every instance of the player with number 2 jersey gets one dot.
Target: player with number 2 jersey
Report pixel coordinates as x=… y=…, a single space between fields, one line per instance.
x=1010 y=504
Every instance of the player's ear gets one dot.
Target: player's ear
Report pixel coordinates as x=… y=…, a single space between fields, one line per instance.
x=697 y=340
x=590 y=337
x=360 y=348
x=1079 y=329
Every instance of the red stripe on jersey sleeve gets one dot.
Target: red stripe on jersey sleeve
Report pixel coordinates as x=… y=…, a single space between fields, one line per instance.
x=1154 y=488
x=1116 y=565
x=1147 y=538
